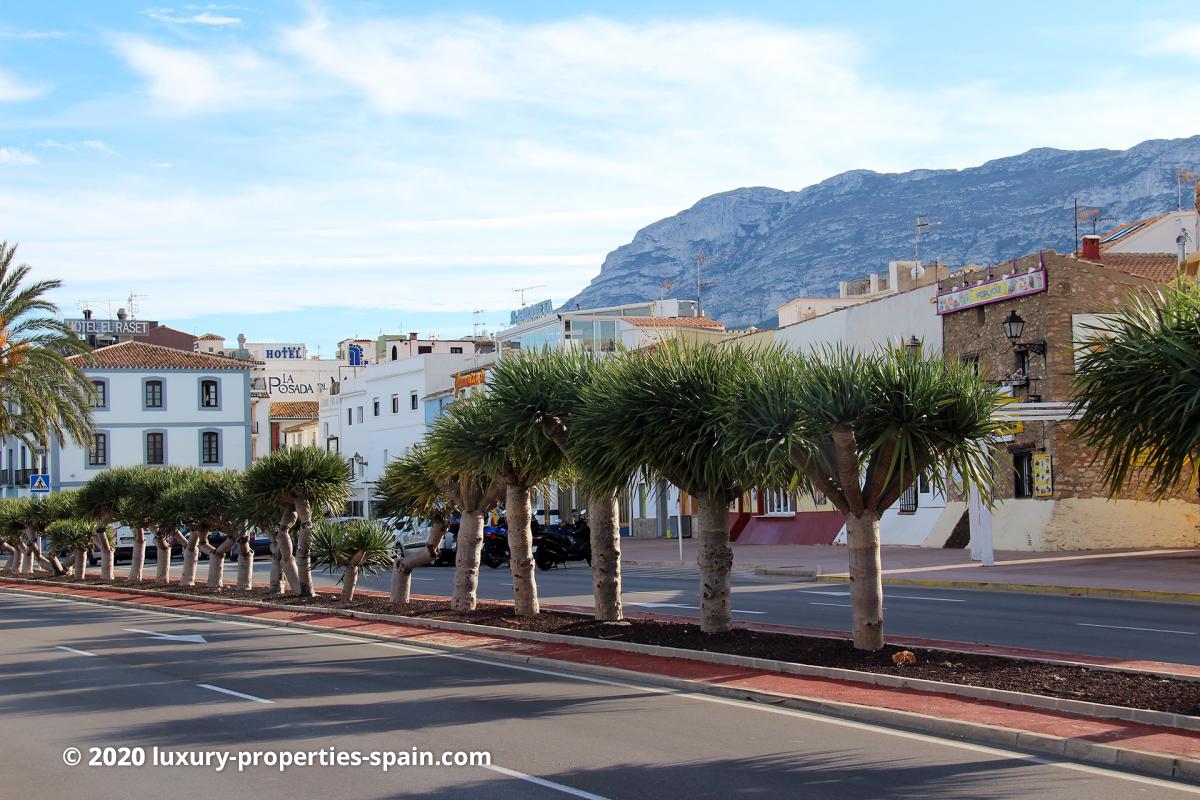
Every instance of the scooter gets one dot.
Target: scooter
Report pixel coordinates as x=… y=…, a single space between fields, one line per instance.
x=552 y=549
x=495 y=547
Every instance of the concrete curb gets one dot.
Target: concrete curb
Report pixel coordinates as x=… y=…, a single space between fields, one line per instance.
x=1041 y=702
x=1066 y=748
x=1031 y=588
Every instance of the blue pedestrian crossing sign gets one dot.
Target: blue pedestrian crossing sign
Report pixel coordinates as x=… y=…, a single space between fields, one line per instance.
x=39 y=483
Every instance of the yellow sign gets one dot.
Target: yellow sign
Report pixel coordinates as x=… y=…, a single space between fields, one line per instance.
x=465 y=380
x=1043 y=475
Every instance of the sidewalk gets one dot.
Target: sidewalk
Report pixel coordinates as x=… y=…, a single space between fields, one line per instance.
x=1153 y=572
x=1149 y=748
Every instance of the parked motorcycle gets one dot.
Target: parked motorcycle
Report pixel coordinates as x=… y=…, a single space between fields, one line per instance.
x=552 y=549
x=495 y=547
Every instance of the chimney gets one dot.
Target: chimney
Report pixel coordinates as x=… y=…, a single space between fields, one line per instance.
x=121 y=315
x=87 y=313
x=412 y=336
x=1091 y=248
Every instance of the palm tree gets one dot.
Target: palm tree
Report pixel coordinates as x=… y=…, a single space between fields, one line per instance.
x=75 y=536
x=297 y=481
x=1137 y=392
x=48 y=509
x=12 y=533
x=475 y=486
x=45 y=397
x=100 y=499
x=232 y=516
x=355 y=546
x=861 y=429
x=539 y=395
x=409 y=488
x=27 y=518
x=137 y=509
x=667 y=411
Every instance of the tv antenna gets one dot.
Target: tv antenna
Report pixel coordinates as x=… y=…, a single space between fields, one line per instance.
x=700 y=285
x=1082 y=214
x=523 y=289
x=663 y=288
x=921 y=225
x=132 y=305
x=475 y=323
x=1182 y=175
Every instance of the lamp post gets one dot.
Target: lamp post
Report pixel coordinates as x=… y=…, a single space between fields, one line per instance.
x=913 y=346
x=1014 y=327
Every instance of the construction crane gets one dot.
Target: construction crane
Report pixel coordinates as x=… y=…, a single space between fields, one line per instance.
x=523 y=289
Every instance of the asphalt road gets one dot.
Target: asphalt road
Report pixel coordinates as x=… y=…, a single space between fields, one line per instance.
x=1135 y=629
x=83 y=676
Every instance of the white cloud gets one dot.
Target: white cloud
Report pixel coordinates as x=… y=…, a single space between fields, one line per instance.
x=98 y=145
x=193 y=15
x=74 y=147
x=13 y=89
x=15 y=157
x=1182 y=40
x=7 y=32
x=163 y=165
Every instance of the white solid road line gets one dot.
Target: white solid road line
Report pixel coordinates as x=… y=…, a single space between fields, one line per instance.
x=210 y=687
x=558 y=787
x=681 y=605
x=891 y=596
x=171 y=637
x=839 y=605
x=766 y=709
x=1128 y=628
x=73 y=650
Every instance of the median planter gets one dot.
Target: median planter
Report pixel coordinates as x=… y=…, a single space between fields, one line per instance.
x=991 y=677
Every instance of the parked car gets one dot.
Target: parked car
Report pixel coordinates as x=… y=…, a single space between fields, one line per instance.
x=259 y=543
x=124 y=548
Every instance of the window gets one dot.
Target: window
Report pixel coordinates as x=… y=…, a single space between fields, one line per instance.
x=210 y=447
x=972 y=361
x=375 y=406
x=98 y=452
x=155 y=448
x=349 y=416
x=358 y=415
x=1023 y=474
x=99 y=394
x=354 y=508
x=1022 y=363
x=326 y=430
x=394 y=353
x=923 y=483
x=778 y=502
x=819 y=498
x=209 y=396
x=424 y=348
x=456 y=351
x=908 y=500
x=153 y=394
x=331 y=445
x=412 y=401
x=395 y=404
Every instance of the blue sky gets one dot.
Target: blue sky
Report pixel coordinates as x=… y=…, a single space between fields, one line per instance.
x=301 y=171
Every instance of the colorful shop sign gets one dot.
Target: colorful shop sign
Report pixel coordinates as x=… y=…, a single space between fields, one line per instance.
x=465 y=380
x=1043 y=475
x=1003 y=288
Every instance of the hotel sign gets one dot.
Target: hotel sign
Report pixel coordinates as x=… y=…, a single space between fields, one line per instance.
x=532 y=312
x=465 y=380
x=110 y=327
x=1003 y=288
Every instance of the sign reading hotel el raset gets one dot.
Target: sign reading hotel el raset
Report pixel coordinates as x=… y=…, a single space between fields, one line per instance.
x=993 y=291
x=534 y=311
x=110 y=327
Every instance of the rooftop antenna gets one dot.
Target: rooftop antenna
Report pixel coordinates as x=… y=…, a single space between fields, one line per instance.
x=663 y=288
x=1182 y=175
x=523 y=289
x=921 y=225
x=1082 y=214
x=700 y=259
x=131 y=304
x=475 y=323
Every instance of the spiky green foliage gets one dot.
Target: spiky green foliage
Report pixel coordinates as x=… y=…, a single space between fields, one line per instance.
x=861 y=427
x=666 y=411
x=60 y=505
x=1137 y=392
x=310 y=474
x=203 y=500
x=409 y=488
x=15 y=514
x=336 y=545
x=138 y=506
x=101 y=496
x=71 y=533
x=48 y=397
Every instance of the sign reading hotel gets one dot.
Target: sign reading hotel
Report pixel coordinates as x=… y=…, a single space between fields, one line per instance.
x=1003 y=288
x=532 y=312
x=465 y=380
x=109 y=327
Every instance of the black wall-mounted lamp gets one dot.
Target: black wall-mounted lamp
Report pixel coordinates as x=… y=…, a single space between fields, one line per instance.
x=1014 y=326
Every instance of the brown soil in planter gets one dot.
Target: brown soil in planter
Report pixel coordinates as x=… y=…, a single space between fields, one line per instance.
x=994 y=672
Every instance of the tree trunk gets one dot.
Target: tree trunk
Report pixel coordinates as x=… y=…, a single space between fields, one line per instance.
x=287 y=559
x=25 y=562
x=245 y=564
x=350 y=577
x=401 y=589
x=275 y=581
x=606 y=556
x=716 y=562
x=466 y=562
x=191 y=554
x=50 y=562
x=80 y=565
x=866 y=581
x=162 y=555
x=106 y=553
x=137 y=560
x=216 y=562
x=304 y=587
x=13 y=558
x=520 y=550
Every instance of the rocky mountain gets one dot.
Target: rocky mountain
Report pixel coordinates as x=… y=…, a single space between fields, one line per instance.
x=776 y=245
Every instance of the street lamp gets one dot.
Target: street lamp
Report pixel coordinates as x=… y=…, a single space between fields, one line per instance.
x=913 y=346
x=1014 y=326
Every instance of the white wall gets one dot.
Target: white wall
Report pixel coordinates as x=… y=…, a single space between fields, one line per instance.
x=181 y=420
x=889 y=319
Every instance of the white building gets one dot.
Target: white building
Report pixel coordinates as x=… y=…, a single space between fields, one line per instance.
x=376 y=416
x=160 y=406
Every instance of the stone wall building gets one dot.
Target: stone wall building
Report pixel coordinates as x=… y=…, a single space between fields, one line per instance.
x=1051 y=491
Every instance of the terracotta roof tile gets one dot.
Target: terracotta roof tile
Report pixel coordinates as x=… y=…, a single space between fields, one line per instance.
x=700 y=323
x=1160 y=267
x=143 y=355
x=211 y=336
x=295 y=409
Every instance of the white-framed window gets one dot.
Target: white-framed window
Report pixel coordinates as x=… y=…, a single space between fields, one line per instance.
x=358 y=415
x=778 y=503
x=375 y=406
x=210 y=396
x=413 y=401
x=395 y=404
